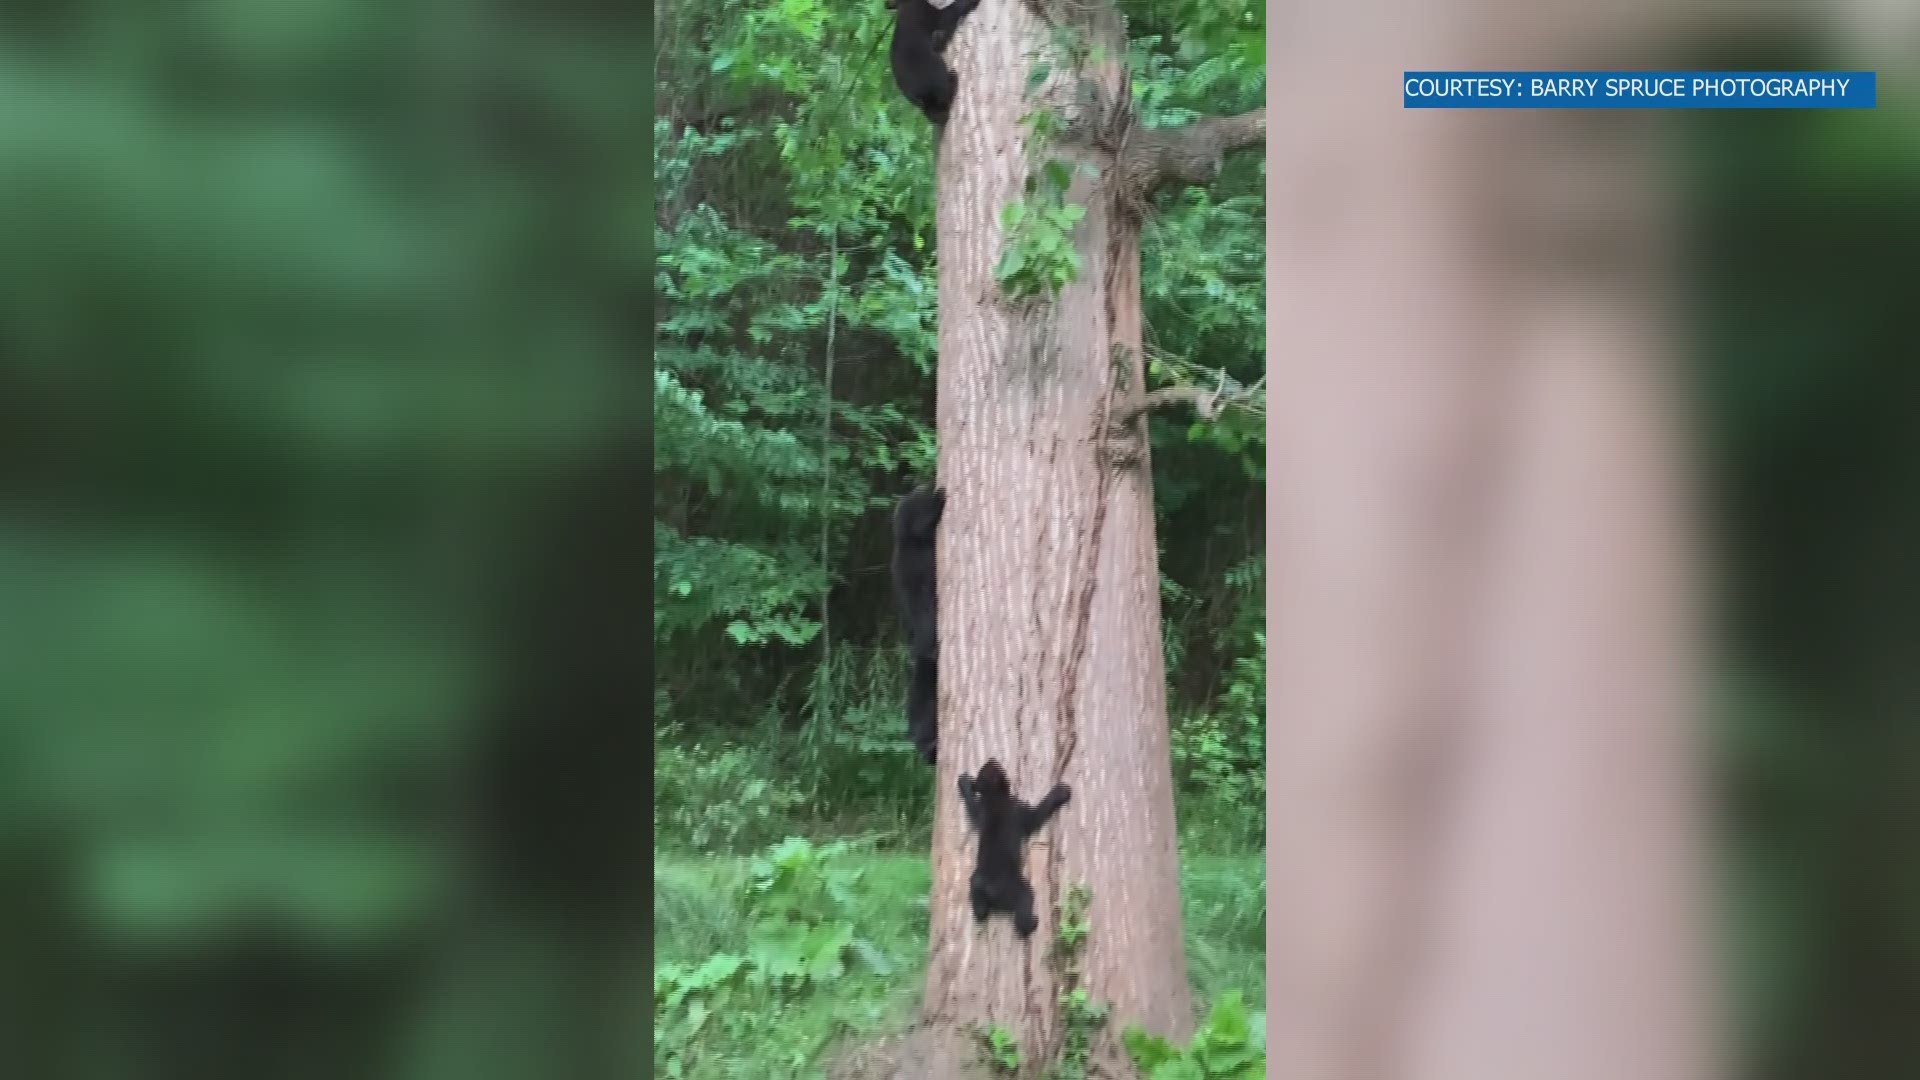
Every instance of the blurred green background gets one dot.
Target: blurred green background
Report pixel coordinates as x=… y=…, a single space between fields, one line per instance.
x=324 y=339
x=1806 y=355
x=323 y=349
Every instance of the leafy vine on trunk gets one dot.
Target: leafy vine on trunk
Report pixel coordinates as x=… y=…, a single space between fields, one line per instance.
x=1038 y=257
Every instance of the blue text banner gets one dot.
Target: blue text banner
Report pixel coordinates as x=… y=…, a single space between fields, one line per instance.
x=1638 y=89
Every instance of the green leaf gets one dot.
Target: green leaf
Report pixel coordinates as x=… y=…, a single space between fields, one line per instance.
x=1223 y=1059
x=778 y=948
x=717 y=969
x=872 y=956
x=1012 y=261
x=696 y=1016
x=1147 y=1051
x=823 y=949
x=1228 y=1019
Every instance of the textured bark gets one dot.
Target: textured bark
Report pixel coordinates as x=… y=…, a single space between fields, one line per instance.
x=1049 y=596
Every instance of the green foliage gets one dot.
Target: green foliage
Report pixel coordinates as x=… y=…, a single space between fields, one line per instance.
x=843 y=773
x=1203 y=297
x=703 y=906
x=1071 y=937
x=1217 y=894
x=1220 y=754
x=779 y=130
x=1203 y=250
x=720 y=798
x=863 y=774
x=711 y=906
x=1080 y=1015
x=1219 y=751
x=257 y=364
x=1001 y=1050
x=684 y=999
x=760 y=171
x=801 y=900
x=1038 y=258
x=1037 y=254
x=304 y=310
x=801 y=911
x=1229 y=1045
x=1193 y=56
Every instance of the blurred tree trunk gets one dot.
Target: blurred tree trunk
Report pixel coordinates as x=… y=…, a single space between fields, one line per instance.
x=1484 y=821
x=1050 y=630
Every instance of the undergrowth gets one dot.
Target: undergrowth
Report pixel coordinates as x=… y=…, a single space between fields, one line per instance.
x=762 y=963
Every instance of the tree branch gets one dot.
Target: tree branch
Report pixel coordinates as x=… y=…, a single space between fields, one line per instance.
x=1189 y=154
x=1205 y=402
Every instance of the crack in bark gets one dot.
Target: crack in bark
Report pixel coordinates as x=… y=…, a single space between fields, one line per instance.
x=1068 y=734
x=1067 y=730
x=1089 y=568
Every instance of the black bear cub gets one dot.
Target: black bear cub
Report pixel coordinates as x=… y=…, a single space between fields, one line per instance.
x=920 y=34
x=1004 y=824
x=915 y=522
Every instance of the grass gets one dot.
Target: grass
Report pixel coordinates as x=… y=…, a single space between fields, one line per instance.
x=698 y=911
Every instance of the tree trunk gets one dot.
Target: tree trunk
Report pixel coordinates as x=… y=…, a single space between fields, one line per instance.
x=1050 y=656
x=1375 y=452
x=1483 y=821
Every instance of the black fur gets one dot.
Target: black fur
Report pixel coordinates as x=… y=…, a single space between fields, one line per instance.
x=920 y=34
x=1004 y=824
x=923 y=707
x=915 y=522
